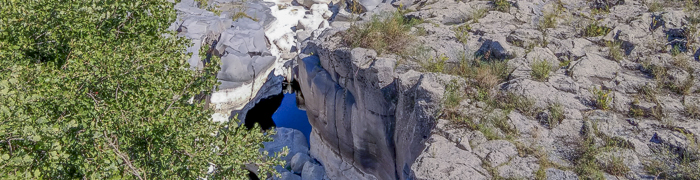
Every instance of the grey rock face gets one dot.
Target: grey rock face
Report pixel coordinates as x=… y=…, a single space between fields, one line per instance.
x=298 y=161
x=287 y=176
x=444 y=160
x=290 y=138
x=354 y=100
x=556 y=174
x=313 y=171
x=497 y=152
x=520 y=168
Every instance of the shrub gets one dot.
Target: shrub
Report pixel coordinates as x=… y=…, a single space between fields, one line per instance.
x=602 y=98
x=540 y=70
x=594 y=29
x=384 y=33
x=96 y=90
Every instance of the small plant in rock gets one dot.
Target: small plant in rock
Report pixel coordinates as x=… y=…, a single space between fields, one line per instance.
x=654 y=6
x=453 y=95
x=501 y=5
x=540 y=70
x=384 y=33
x=556 y=114
x=595 y=29
x=549 y=20
x=478 y=14
x=615 y=166
x=602 y=98
x=436 y=64
x=615 y=50
x=462 y=32
x=675 y=50
x=636 y=111
x=692 y=111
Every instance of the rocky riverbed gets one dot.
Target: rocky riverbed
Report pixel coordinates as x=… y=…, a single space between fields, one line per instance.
x=533 y=89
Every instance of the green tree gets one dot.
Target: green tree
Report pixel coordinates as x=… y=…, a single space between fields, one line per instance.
x=100 y=89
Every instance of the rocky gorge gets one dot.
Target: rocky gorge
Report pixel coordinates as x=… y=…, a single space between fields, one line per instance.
x=527 y=89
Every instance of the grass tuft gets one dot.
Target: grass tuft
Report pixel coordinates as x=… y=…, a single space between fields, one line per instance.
x=540 y=70
x=615 y=166
x=384 y=33
x=501 y=5
x=436 y=64
x=615 y=50
x=462 y=32
x=549 y=20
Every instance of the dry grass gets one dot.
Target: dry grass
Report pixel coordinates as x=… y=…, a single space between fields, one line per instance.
x=615 y=166
x=384 y=33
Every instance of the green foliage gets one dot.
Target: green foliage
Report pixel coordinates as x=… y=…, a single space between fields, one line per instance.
x=540 y=70
x=501 y=5
x=615 y=50
x=436 y=64
x=478 y=14
x=453 y=95
x=595 y=29
x=387 y=33
x=670 y=164
x=486 y=73
x=556 y=115
x=601 y=98
x=462 y=33
x=99 y=90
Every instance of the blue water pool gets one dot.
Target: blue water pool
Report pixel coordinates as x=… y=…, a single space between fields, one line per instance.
x=289 y=116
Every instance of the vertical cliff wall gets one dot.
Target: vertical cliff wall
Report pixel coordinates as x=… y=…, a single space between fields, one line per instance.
x=369 y=121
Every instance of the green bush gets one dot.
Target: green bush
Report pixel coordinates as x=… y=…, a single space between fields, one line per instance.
x=595 y=29
x=100 y=90
x=602 y=98
x=540 y=70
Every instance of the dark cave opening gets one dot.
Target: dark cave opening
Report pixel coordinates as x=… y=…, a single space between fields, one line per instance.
x=262 y=112
x=281 y=110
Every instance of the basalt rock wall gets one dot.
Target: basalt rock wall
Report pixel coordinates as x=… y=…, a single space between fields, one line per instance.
x=369 y=121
